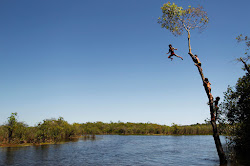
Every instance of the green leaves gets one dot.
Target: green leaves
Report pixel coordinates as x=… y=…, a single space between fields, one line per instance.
x=235 y=113
x=12 y=121
x=170 y=18
x=176 y=19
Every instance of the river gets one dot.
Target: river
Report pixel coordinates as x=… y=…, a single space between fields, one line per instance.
x=115 y=150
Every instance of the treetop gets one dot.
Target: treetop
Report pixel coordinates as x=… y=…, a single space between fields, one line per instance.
x=176 y=19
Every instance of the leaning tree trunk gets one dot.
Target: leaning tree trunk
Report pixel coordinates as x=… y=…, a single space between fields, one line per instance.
x=217 y=141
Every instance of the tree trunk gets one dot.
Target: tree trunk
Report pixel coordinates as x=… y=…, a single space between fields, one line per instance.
x=10 y=132
x=222 y=156
x=189 y=45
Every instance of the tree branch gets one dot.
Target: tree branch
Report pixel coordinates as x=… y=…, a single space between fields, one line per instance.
x=246 y=66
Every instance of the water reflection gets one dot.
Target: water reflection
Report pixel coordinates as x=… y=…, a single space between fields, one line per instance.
x=41 y=152
x=88 y=137
x=9 y=156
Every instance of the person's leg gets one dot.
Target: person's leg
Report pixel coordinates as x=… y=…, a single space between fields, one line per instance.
x=170 y=56
x=198 y=65
x=178 y=56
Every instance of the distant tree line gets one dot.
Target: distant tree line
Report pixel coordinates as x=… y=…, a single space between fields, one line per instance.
x=56 y=130
x=129 y=128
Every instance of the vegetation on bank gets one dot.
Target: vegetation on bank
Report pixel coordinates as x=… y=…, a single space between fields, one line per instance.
x=48 y=131
x=234 y=116
x=58 y=130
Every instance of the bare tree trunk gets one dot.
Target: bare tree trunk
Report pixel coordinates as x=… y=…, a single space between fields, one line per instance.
x=189 y=45
x=217 y=141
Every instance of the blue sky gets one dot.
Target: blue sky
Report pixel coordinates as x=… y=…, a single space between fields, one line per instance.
x=96 y=60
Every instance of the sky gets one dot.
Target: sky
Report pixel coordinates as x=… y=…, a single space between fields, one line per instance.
x=95 y=60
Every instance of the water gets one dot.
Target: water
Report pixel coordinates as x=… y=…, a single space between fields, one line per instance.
x=115 y=150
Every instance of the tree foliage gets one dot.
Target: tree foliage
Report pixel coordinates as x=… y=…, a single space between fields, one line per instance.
x=176 y=19
x=246 y=40
x=236 y=113
x=11 y=126
x=244 y=59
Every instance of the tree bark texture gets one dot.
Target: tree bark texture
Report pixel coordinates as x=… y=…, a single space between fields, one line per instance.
x=222 y=156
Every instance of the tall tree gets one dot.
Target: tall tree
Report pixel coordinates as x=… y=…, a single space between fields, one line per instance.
x=176 y=20
x=11 y=126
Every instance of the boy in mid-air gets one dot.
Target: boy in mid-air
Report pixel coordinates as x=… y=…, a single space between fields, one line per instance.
x=171 y=50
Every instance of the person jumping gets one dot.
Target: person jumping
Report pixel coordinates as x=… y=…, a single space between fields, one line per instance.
x=171 y=50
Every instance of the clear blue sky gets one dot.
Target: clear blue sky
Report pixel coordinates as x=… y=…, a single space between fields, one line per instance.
x=97 y=60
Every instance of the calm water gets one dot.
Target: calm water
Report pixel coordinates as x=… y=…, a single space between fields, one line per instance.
x=117 y=150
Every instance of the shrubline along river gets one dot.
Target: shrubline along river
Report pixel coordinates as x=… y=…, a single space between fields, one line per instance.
x=115 y=150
